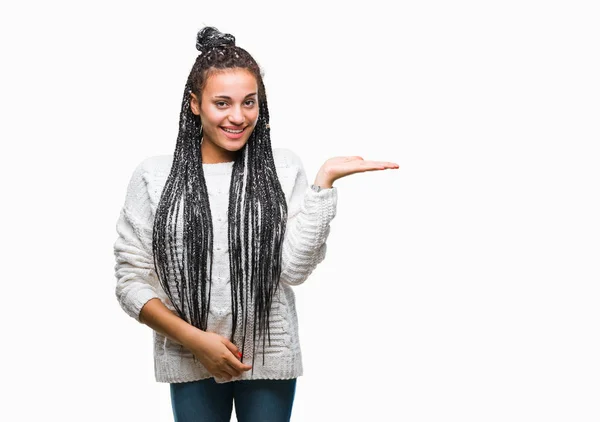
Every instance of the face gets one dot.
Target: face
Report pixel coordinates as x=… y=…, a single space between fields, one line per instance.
x=228 y=110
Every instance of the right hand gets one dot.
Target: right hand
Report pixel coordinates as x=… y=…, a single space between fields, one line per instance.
x=218 y=355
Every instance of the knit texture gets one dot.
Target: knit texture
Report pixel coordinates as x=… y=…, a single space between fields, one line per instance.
x=304 y=247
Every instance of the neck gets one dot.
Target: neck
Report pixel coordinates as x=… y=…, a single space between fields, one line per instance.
x=216 y=156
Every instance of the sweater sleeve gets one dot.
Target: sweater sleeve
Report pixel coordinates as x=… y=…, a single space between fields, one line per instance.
x=134 y=270
x=308 y=226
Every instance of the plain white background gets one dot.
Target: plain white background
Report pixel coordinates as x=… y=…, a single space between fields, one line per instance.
x=461 y=287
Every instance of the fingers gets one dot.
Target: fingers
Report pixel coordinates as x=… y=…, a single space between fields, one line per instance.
x=237 y=365
x=232 y=365
x=227 y=371
x=232 y=347
x=362 y=166
x=345 y=158
x=359 y=163
x=376 y=165
x=384 y=164
x=222 y=375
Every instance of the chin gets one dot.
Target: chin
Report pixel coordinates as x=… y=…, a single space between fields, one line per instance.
x=234 y=145
x=233 y=148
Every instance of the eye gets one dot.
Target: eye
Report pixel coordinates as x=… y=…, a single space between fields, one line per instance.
x=221 y=104
x=250 y=102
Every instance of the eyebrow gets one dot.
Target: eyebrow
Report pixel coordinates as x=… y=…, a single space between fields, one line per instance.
x=229 y=98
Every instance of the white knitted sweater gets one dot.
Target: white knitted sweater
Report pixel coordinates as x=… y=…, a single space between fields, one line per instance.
x=308 y=226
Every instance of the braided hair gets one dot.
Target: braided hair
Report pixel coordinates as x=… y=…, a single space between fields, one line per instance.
x=257 y=212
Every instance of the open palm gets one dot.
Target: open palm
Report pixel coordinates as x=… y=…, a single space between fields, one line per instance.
x=338 y=167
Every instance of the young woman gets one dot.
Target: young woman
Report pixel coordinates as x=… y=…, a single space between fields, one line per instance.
x=212 y=238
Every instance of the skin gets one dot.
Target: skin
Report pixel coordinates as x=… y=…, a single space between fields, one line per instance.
x=218 y=355
x=239 y=110
x=230 y=100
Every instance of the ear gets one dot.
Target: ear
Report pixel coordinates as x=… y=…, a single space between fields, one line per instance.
x=194 y=104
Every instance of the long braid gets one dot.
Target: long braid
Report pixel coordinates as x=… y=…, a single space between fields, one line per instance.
x=257 y=212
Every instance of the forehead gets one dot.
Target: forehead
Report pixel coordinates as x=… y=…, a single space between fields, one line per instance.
x=230 y=82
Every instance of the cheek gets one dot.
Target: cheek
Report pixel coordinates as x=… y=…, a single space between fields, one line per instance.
x=212 y=119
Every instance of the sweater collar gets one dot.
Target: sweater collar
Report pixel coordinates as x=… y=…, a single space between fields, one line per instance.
x=217 y=168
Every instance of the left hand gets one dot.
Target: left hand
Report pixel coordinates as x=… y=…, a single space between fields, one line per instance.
x=338 y=167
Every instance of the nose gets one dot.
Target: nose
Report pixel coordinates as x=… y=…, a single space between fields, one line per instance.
x=236 y=117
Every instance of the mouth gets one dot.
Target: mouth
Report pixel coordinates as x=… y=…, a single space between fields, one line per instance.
x=233 y=133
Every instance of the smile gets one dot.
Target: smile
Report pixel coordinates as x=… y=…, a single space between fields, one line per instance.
x=233 y=131
x=233 y=134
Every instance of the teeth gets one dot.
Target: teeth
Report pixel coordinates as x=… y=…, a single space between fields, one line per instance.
x=233 y=131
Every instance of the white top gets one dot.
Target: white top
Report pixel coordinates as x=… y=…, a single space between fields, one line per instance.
x=308 y=225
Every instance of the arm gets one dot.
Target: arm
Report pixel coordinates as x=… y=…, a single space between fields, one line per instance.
x=137 y=282
x=164 y=321
x=134 y=270
x=308 y=226
x=138 y=286
x=310 y=213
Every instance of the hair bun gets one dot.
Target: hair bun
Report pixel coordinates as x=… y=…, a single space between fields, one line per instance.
x=210 y=37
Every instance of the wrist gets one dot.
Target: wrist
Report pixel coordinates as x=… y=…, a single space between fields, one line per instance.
x=323 y=180
x=189 y=335
x=323 y=183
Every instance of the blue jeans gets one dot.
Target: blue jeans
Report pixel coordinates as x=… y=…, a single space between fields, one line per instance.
x=255 y=400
